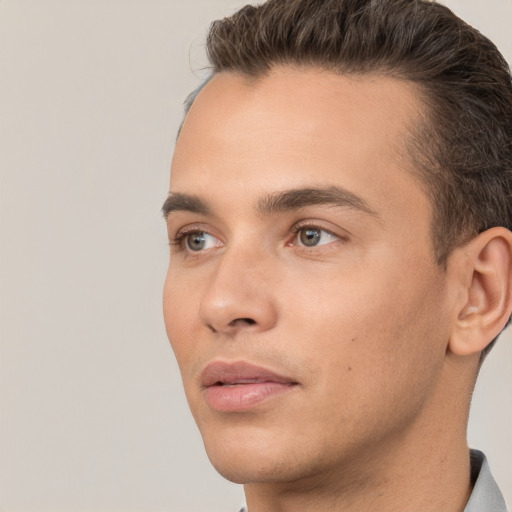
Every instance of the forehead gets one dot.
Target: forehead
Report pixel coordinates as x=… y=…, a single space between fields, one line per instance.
x=298 y=128
x=293 y=94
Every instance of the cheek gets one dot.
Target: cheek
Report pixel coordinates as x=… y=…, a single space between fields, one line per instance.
x=380 y=334
x=180 y=316
x=180 y=308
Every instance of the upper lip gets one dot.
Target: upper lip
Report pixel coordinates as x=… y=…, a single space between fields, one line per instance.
x=239 y=372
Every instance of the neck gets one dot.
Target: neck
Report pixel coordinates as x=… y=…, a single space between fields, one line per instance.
x=426 y=479
x=425 y=468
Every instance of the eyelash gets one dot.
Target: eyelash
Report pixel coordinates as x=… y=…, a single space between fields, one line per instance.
x=181 y=235
x=309 y=225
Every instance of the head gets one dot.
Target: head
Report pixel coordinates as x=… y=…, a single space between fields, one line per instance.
x=339 y=216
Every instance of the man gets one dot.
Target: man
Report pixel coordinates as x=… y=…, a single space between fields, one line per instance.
x=339 y=221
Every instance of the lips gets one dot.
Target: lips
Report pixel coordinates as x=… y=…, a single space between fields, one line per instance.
x=238 y=386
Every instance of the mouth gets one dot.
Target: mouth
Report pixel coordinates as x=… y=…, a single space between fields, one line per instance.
x=238 y=386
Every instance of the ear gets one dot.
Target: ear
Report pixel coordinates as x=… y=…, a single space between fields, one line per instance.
x=486 y=305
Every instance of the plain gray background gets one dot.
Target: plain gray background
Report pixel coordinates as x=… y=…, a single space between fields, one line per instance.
x=92 y=415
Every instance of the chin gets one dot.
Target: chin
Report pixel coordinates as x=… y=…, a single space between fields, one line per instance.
x=252 y=460
x=244 y=461
x=246 y=470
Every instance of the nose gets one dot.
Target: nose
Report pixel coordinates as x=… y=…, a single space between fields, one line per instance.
x=239 y=296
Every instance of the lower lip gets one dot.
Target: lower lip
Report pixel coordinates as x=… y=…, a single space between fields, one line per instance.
x=243 y=396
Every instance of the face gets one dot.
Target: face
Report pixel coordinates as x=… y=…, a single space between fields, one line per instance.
x=302 y=301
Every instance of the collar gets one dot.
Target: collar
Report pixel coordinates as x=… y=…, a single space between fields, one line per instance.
x=486 y=495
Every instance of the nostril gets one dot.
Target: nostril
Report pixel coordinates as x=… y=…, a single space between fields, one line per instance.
x=248 y=321
x=236 y=323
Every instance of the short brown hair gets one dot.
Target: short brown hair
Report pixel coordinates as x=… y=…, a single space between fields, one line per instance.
x=462 y=145
x=463 y=151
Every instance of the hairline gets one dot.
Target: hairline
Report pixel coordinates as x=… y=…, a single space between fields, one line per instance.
x=420 y=163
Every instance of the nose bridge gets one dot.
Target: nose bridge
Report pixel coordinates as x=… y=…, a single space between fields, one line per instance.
x=238 y=294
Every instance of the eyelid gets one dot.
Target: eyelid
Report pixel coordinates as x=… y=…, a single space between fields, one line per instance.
x=181 y=234
x=314 y=224
x=185 y=230
x=189 y=228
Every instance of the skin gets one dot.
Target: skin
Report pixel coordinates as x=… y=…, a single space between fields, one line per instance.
x=372 y=330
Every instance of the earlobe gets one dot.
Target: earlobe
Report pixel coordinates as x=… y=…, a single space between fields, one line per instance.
x=488 y=294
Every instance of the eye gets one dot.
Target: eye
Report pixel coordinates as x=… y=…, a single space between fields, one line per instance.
x=311 y=236
x=198 y=241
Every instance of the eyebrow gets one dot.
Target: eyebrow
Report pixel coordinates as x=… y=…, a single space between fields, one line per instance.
x=316 y=196
x=177 y=201
x=281 y=201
